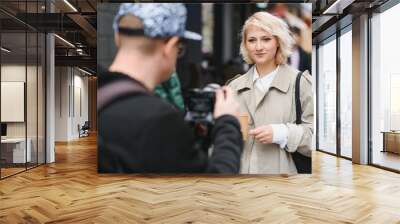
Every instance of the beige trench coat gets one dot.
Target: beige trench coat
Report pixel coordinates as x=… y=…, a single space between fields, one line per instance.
x=276 y=106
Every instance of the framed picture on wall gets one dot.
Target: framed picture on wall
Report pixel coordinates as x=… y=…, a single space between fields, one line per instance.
x=12 y=101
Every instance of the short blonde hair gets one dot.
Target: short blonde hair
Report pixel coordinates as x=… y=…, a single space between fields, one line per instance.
x=273 y=25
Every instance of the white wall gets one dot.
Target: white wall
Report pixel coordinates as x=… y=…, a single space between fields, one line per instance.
x=71 y=93
x=61 y=103
x=81 y=89
x=16 y=73
x=13 y=73
x=33 y=126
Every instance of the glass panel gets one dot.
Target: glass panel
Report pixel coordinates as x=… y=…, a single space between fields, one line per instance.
x=13 y=87
x=385 y=86
x=23 y=79
x=327 y=96
x=32 y=85
x=346 y=94
x=314 y=82
x=41 y=98
x=31 y=97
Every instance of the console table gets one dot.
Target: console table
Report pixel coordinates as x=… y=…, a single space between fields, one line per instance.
x=13 y=150
x=391 y=141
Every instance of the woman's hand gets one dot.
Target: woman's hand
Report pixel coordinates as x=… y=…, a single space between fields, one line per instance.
x=263 y=134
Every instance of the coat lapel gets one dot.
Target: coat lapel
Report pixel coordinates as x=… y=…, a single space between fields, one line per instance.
x=245 y=90
x=252 y=97
x=259 y=96
x=281 y=82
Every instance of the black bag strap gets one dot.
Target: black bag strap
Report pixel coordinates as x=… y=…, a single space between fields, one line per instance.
x=302 y=162
x=297 y=99
x=114 y=90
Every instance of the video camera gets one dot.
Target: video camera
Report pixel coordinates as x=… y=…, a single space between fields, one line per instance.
x=200 y=108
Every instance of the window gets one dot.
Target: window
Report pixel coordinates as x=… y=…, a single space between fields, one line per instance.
x=327 y=96
x=346 y=93
x=22 y=77
x=385 y=89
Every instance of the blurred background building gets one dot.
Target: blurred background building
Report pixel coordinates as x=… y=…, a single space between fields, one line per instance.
x=216 y=58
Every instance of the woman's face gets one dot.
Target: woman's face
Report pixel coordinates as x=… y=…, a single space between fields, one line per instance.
x=261 y=45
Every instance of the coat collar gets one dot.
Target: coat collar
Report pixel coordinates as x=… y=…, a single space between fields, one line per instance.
x=247 y=80
x=280 y=82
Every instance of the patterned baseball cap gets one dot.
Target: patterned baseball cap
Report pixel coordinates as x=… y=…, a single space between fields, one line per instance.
x=159 y=20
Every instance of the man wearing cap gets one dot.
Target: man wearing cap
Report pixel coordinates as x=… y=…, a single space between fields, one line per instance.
x=139 y=132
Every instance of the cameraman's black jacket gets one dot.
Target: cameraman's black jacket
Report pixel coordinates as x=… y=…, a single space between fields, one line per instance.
x=141 y=133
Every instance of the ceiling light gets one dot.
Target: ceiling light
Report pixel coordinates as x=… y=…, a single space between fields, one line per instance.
x=79 y=51
x=5 y=50
x=86 y=72
x=337 y=7
x=70 y=5
x=65 y=41
x=331 y=7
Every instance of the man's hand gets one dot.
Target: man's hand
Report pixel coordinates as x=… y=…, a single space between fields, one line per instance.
x=225 y=103
x=263 y=134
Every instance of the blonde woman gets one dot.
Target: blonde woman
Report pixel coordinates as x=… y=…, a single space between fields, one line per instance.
x=267 y=95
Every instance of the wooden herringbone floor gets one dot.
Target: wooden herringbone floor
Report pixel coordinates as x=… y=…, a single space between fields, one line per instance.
x=70 y=191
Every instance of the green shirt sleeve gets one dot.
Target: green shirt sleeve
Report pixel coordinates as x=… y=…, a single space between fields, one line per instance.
x=170 y=91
